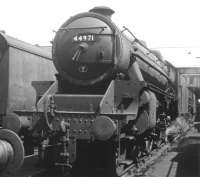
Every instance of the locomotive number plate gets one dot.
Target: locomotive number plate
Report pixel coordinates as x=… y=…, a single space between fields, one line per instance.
x=84 y=38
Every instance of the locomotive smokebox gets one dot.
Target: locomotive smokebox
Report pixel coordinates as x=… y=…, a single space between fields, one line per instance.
x=84 y=47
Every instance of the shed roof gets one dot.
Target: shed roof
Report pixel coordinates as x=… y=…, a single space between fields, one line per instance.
x=8 y=41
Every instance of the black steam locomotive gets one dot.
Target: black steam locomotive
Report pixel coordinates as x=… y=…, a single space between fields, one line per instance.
x=102 y=112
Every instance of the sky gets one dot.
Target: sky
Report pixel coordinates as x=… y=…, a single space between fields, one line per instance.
x=171 y=26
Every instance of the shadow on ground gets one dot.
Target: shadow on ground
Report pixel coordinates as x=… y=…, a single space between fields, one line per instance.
x=188 y=162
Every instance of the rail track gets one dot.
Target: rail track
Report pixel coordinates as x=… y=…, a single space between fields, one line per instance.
x=145 y=162
x=32 y=169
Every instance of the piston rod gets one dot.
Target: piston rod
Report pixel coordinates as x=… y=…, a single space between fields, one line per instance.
x=6 y=154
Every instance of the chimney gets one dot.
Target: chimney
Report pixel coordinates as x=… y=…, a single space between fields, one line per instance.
x=103 y=10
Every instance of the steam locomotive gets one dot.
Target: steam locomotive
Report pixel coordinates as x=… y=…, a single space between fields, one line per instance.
x=103 y=111
x=20 y=64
